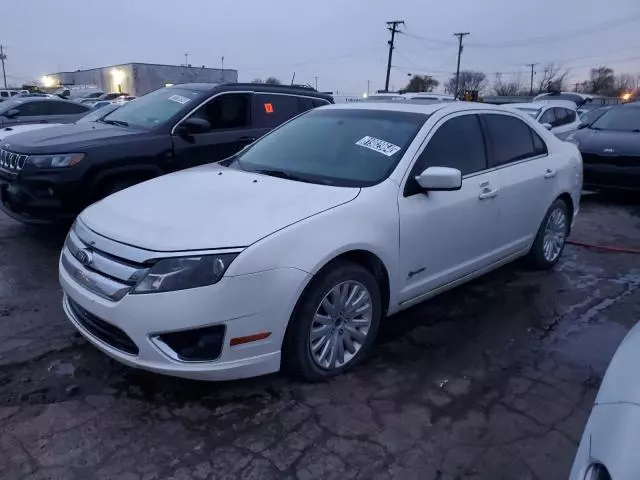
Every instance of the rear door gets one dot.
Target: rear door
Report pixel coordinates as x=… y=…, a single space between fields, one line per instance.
x=527 y=178
x=230 y=117
x=64 y=111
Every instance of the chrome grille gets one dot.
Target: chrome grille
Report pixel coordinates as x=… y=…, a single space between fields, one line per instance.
x=103 y=274
x=12 y=162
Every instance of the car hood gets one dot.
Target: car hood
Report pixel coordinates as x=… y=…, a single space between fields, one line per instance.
x=603 y=141
x=68 y=138
x=15 y=129
x=208 y=207
x=621 y=383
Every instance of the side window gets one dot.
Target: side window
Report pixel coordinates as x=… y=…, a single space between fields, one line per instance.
x=272 y=110
x=571 y=115
x=561 y=117
x=445 y=149
x=4 y=94
x=548 y=117
x=13 y=94
x=32 y=109
x=66 y=108
x=227 y=111
x=305 y=103
x=511 y=139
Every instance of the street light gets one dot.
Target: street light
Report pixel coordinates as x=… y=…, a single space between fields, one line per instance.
x=47 y=82
x=118 y=77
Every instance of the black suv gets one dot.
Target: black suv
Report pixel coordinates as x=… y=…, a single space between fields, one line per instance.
x=53 y=173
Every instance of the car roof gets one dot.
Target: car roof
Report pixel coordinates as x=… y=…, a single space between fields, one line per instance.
x=535 y=106
x=257 y=87
x=548 y=103
x=415 y=107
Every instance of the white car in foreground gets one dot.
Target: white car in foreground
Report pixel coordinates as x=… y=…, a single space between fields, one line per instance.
x=559 y=116
x=291 y=254
x=609 y=446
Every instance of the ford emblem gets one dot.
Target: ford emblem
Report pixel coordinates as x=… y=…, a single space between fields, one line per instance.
x=85 y=257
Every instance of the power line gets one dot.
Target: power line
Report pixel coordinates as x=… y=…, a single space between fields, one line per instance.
x=460 y=36
x=392 y=26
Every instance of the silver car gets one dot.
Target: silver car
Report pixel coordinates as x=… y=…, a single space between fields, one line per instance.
x=22 y=110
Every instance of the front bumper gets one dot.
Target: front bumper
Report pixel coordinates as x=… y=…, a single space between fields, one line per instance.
x=246 y=305
x=610 y=438
x=611 y=177
x=40 y=197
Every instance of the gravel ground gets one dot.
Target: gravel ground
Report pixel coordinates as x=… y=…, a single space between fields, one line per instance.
x=493 y=380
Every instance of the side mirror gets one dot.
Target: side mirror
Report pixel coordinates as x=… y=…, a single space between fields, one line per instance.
x=14 y=112
x=193 y=126
x=440 y=178
x=548 y=126
x=582 y=125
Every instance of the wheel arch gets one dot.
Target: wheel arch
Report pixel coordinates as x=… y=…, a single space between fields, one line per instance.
x=138 y=172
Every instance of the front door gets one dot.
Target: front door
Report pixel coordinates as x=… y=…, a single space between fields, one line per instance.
x=229 y=115
x=445 y=236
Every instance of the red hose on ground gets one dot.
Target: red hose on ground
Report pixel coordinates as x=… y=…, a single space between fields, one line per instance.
x=605 y=248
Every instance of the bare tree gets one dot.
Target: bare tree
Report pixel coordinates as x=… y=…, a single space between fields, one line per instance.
x=503 y=88
x=272 y=81
x=602 y=80
x=624 y=82
x=552 y=78
x=257 y=80
x=469 y=80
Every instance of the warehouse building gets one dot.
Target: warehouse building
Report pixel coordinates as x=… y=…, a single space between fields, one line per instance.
x=138 y=78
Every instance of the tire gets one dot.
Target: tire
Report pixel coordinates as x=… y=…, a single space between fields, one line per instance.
x=556 y=222
x=332 y=330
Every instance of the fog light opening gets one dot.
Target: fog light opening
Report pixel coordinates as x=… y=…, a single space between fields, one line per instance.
x=199 y=345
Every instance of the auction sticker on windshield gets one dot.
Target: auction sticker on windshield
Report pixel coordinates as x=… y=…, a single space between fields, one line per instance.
x=179 y=98
x=378 y=145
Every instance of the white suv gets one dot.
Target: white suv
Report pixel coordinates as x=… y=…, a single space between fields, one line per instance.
x=560 y=117
x=292 y=252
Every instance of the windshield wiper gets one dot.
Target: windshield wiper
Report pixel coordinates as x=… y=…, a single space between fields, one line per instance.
x=119 y=123
x=287 y=175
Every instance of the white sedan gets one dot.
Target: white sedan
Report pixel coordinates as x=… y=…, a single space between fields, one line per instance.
x=559 y=116
x=609 y=446
x=292 y=252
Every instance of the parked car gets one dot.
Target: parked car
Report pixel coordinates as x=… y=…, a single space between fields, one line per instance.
x=63 y=169
x=579 y=99
x=610 y=148
x=94 y=115
x=39 y=110
x=429 y=96
x=608 y=448
x=112 y=96
x=6 y=94
x=558 y=116
x=291 y=252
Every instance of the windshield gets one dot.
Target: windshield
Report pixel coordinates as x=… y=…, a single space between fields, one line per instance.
x=624 y=119
x=154 y=108
x=351 y=148
x=533 y=112
x=592 y=115
x=98 y=113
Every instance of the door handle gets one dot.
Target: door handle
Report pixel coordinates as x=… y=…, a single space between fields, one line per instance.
x=248 y=139
x=488 y=193
x=549 y=173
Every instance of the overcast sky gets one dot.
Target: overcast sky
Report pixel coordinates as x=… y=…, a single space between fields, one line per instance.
x=343 y=43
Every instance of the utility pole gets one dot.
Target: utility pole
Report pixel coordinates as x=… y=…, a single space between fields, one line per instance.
x=186 y=59
x=368 y=83
x=3 y=57
x=222 y=64
x=392 y=26
x=460 y=36
x=532 y=74
x=316 y=79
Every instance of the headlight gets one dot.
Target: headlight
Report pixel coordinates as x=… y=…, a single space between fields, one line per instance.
x=55 y=161
x=184 y=272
